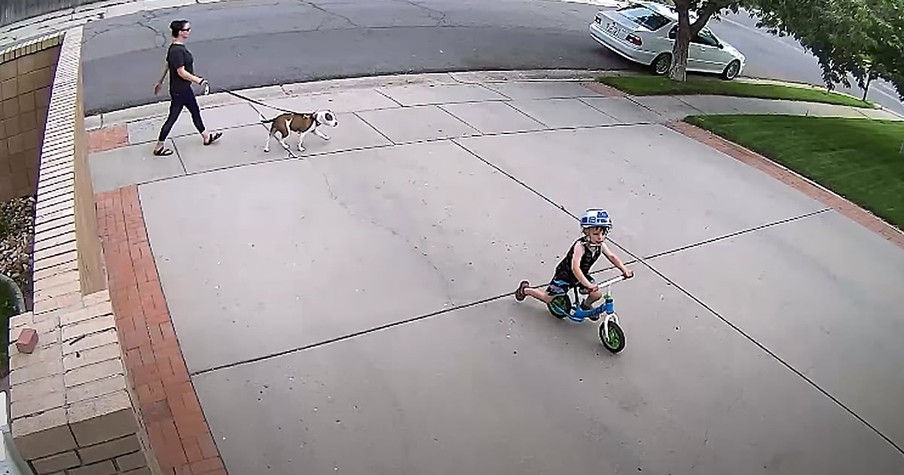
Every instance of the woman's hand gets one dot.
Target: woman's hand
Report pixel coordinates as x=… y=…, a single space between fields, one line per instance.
x=205 y=86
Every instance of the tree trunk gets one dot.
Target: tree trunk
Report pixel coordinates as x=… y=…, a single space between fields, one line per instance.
x=869 y=79
x=678 y=71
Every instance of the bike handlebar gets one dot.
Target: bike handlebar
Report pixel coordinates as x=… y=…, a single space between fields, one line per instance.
x=611 y=281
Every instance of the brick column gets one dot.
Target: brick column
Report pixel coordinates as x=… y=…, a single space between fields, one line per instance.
x=72 y=409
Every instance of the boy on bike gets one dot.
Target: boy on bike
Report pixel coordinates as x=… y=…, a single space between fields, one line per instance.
x=574 y=269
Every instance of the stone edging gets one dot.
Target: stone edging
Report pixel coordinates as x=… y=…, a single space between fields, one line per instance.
x=792 y=179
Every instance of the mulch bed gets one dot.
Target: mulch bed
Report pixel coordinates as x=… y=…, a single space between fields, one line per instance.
x=16 y=238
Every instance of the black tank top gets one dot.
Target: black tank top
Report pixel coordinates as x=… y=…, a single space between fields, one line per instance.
x=563 y=270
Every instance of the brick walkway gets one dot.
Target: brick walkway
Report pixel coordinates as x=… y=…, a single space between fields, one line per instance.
x=108 y=138
x=171 y=412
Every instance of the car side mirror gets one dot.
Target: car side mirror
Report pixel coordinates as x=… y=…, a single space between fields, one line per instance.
x=721 y=46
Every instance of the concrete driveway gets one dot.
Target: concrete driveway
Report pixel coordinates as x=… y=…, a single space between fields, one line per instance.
x=349 y=309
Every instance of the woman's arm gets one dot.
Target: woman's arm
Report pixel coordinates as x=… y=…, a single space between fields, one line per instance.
x=189 y=76
x=177 y=59
x=159 y=83
x=165 y=72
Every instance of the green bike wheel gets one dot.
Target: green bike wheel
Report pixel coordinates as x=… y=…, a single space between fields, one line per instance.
x=615 y=341
x=560 y=306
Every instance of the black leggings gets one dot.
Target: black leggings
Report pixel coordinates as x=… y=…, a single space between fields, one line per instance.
x=182 y=98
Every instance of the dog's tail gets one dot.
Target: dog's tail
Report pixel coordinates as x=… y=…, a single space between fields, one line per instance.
x=265 y=120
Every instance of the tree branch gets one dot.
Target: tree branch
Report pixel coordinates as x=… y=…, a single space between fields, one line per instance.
x=709 y=9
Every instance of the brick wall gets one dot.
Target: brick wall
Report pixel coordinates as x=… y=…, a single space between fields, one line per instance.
x=73 y=411
x=26 y=73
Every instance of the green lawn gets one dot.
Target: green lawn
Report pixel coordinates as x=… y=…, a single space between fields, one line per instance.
x=659 y=85
x=859 y=159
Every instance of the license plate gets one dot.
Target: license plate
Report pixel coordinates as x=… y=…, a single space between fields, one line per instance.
x=612 y=29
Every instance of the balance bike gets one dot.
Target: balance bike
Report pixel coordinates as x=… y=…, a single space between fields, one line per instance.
x=611 y=334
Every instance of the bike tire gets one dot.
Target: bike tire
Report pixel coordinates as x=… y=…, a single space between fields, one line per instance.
x=560 y=306
x=616 y=341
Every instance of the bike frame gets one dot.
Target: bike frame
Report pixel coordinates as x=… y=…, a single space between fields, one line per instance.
x=578 y=315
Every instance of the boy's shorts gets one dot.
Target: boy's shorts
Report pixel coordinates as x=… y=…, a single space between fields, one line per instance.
x=559 y=287
x=554 y=288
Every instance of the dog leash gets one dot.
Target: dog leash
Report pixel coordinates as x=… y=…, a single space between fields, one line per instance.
x=255 y=101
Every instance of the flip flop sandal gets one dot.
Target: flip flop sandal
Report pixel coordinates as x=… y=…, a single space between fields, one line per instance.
x=163 y=152
x=213 y=137
x=519 y=294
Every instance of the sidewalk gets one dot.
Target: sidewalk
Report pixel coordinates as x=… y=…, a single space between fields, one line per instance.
x=314 y=309
x=441 y=106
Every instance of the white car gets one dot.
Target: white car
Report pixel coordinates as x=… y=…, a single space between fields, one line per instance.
x=644 y=32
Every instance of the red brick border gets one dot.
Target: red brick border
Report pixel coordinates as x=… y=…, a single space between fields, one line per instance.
x=169 y=407
x=603 y=90
x=843 y=206
x=107 y=138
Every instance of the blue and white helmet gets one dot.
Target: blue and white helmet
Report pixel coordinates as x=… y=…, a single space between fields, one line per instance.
x=596 y=218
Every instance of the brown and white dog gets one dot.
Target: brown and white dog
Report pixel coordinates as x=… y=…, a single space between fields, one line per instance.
x=301 y=123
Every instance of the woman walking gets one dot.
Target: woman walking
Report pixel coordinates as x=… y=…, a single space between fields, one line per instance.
x=180 y=67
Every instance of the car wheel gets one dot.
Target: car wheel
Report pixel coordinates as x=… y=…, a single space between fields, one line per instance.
x=662 y=64
x=731 y=71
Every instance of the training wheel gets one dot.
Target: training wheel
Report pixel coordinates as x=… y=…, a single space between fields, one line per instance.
x=615 y=342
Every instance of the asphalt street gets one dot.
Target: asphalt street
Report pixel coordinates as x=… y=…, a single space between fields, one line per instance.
x=251 y=43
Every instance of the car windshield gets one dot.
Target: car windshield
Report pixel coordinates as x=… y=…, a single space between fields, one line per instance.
x=644 y=17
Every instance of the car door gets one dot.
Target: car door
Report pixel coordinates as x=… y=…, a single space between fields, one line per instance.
x=694 y=51
x=706 y=53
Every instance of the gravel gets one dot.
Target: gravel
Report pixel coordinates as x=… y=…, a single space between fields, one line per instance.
x=16 y=236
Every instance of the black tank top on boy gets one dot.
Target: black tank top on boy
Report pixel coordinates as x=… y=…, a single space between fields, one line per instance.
x=591 y=254
x=176 y=57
